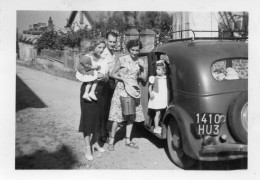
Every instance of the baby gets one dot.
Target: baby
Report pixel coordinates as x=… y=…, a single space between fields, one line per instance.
x=158 y=93
x=88 y=66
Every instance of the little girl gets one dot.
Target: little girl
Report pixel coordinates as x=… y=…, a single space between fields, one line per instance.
x=88 y=68
x=158 y=93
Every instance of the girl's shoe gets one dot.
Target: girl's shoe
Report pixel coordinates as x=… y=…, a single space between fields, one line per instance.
x=86 y=96
x=110 y=146
x=131 y=144
x=157 y=130
x=98 y=148
x=88 y=156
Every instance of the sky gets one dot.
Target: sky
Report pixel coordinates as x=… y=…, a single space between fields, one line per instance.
x=26 y=18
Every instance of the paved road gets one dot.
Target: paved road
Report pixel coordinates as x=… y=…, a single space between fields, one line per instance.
x=47 y=119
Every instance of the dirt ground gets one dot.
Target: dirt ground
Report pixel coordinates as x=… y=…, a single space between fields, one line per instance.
x=47 y=137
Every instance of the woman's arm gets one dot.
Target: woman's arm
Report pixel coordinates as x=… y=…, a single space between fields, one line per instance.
x=143 y=70
x=113 y=74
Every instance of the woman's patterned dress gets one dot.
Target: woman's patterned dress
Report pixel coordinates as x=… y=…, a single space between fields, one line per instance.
x=128 y=69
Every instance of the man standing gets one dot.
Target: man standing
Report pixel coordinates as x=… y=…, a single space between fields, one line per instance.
x=109 y=56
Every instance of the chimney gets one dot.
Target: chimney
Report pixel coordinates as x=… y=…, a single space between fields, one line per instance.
x=50 y=24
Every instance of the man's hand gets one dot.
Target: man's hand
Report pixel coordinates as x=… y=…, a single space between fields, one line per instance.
x=102 y=77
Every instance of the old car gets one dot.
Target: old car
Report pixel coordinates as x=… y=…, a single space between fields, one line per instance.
x=206 y=118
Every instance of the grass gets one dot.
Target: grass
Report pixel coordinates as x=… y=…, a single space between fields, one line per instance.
x=49 y=68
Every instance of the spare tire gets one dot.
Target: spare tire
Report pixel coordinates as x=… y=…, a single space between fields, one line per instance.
x=238 y=118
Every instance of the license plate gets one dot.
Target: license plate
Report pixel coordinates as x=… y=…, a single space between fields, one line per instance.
x=208 y=123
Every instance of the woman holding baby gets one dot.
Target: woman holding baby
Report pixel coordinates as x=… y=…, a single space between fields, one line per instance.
x=92 y=71
x=127 y=71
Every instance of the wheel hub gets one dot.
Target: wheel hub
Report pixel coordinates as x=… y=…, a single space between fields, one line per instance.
x=176 y=141
x=244 y=116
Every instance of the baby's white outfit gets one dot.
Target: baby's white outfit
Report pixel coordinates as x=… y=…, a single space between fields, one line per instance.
x=89 y=78
x=160 y=100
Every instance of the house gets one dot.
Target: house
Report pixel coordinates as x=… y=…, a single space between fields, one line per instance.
x=33 y=33
x=197 y=21
x=211 y=22
x=79 y=19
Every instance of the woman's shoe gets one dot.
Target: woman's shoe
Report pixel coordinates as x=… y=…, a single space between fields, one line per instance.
x=131 y=144
x=89 y=157
x=110 y=146
x=98 y=148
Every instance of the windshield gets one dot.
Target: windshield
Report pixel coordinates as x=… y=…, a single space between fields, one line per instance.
x=230 y=69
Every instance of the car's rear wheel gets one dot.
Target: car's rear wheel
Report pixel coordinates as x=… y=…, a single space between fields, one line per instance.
x=175 y=149
x=238 y=118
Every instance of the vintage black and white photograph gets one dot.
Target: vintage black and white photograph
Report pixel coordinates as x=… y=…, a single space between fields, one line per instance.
x=131 y=89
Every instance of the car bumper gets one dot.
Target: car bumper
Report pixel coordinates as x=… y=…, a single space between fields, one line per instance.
x=224 y=148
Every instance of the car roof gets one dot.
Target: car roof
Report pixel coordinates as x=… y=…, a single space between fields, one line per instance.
x=203 y=50
x=194 y=59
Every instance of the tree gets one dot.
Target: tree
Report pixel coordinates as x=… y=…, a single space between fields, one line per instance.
x=115 y=23
x=47 y=40
x=160 y=22
x=233 y=24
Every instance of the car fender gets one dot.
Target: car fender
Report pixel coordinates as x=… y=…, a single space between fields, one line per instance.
x=191 y=142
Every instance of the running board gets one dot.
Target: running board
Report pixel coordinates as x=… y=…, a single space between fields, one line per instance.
x=151 y=130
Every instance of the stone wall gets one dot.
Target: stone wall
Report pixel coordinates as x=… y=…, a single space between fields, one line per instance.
x=146 y=36
x=241 y=66
x=67 y=58
x=27 y=51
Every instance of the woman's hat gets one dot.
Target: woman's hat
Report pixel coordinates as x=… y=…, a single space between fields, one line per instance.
x=132 y=88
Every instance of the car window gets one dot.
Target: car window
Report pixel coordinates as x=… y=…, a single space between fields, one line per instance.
x=230 y=69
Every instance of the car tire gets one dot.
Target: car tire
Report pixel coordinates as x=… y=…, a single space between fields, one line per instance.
x=174 y=142
x=237 y=118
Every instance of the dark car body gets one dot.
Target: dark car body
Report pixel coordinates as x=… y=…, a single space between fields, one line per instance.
x=194 y=92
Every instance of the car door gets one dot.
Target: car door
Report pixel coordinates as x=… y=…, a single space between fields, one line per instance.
x=149 y=59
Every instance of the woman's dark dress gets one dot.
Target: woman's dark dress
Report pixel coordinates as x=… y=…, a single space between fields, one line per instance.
x=93 y=113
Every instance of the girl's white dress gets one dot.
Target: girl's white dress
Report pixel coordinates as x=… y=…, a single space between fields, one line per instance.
x=160 y=100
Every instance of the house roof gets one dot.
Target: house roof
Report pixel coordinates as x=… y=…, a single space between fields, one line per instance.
x=73 y=14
